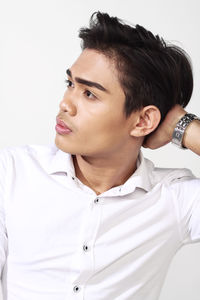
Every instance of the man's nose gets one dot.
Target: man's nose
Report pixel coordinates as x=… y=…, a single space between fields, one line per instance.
x=67 y=105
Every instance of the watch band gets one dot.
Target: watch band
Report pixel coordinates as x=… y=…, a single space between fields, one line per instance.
x=180 y=128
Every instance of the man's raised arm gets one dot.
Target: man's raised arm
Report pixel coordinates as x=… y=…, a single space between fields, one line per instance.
x=164 y=133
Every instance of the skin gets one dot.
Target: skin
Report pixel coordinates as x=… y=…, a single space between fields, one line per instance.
x=104 y=143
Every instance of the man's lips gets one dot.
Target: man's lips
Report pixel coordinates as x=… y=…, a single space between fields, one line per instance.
x=61 y=127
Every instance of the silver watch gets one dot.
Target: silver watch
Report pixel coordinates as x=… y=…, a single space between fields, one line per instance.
x=180 y=128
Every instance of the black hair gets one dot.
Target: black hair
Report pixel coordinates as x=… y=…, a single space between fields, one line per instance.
x=150 y=71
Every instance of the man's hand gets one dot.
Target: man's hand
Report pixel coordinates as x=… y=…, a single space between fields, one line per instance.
x=163 y=134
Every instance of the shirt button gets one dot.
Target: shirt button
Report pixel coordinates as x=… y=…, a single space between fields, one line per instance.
x=96 y=200
x=85 y=248
x=76 y=289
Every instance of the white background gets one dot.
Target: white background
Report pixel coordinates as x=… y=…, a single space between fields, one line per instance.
x=38 y=41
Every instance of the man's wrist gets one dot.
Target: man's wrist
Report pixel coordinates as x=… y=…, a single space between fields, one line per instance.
x=178 y=136
x=190 y=134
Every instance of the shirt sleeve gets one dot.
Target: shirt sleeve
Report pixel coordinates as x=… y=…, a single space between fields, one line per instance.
x=3 y=234
x=187 y=204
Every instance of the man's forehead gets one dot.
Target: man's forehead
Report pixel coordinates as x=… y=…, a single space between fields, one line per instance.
x=95 y=66
x=93 y=61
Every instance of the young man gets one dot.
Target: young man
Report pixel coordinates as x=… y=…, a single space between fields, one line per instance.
x=90 y=217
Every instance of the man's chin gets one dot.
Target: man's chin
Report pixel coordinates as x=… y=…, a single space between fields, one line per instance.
x=60 y=145
x=65 y=147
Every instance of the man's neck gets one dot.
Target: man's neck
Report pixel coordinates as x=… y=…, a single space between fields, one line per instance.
x=102 y=174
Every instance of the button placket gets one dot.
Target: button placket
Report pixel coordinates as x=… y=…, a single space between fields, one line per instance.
x=87 y=237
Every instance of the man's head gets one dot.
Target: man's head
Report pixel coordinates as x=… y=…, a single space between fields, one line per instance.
x=137 y=80
x=150 y=71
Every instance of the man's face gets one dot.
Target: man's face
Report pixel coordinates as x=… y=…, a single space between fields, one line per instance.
x=93 y=109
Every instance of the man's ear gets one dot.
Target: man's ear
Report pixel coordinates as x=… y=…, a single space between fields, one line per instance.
x=148 y=119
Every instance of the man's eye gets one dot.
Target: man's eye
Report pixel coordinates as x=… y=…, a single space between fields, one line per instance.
x=89 y=95
x=68 y=83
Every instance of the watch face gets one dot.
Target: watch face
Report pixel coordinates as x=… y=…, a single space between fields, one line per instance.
x=177 y=137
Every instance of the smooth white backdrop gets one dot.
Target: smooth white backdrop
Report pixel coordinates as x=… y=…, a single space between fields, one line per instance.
x=38 y=42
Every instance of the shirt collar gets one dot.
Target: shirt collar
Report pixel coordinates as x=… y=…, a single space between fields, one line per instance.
x=141 y=177
x=63 y=162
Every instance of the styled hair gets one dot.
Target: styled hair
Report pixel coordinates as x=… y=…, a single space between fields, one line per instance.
x=150 y=71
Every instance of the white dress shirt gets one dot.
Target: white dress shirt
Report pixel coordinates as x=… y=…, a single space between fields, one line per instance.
x=60 y=241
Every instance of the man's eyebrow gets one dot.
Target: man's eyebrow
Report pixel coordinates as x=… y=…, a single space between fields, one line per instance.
x=87 y=82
